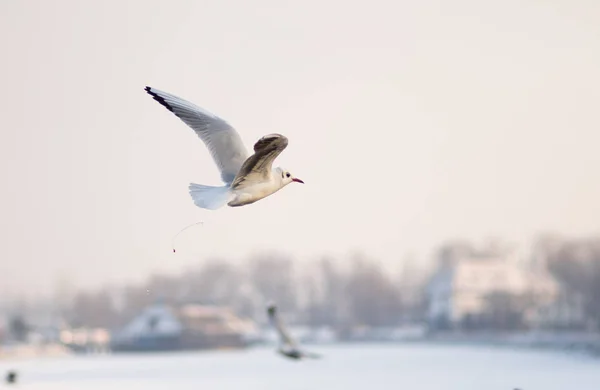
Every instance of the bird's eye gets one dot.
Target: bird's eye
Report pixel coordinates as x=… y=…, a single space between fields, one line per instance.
x=287 y=174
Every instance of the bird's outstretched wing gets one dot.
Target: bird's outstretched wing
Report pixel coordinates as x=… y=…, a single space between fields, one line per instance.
x=284 y=336
x=222 y=140
x=258 y=166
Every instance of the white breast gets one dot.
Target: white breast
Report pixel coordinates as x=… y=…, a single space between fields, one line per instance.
x=253 y=193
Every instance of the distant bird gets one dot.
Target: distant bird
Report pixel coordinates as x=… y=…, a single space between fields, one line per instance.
x=287 y=346
x=247 y=179
x=11 y=377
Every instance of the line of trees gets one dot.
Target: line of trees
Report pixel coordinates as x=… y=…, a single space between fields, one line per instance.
x=576 y=264
x=341 y=293
x=358 y=292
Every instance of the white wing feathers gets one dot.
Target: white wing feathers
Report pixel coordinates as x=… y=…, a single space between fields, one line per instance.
x=222 y=140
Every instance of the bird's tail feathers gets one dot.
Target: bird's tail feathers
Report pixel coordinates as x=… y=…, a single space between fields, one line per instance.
x=208 y=197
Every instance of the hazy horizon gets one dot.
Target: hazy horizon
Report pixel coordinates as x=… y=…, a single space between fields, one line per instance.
x=411 y=123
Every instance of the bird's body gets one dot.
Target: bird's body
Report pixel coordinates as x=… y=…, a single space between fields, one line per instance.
x=247 y=178
x=255 y=192
x=288 y=347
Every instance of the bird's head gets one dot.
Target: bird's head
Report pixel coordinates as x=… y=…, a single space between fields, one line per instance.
x=287 y=177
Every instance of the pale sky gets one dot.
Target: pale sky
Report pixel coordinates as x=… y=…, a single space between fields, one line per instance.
x=411 y=122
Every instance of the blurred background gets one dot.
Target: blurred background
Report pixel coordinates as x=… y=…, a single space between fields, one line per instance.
x=450 y=156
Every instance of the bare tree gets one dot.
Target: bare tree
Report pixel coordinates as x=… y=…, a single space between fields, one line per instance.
x=577 y=265
x=18 y=328
x=216 y=281
x=94 y=309
x=273 y=278
x=373 y=298
x=505 y=311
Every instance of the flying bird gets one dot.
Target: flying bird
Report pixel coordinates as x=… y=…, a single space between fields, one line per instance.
x=287 y=345
x=247 y=178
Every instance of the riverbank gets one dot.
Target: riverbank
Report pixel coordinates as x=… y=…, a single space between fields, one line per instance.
x=581 y=342
x=348 y=367
x=23 y=351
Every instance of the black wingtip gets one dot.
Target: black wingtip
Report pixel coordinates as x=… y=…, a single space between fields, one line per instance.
x=158 y=98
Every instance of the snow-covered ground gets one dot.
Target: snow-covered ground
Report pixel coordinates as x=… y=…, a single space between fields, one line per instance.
x=345 y=367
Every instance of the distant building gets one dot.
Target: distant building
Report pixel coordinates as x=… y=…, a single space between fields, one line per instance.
x=462 y=291
x=163 y=327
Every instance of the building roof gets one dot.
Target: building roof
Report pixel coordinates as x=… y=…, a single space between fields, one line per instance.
x=156 y=320
x=164 y=320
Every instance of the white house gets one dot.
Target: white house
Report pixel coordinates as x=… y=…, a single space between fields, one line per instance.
x=462 y=287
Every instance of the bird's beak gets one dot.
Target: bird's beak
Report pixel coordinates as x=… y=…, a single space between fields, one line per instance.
x=297 y=180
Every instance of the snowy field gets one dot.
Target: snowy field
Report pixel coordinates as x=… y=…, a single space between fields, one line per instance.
x=356 y=367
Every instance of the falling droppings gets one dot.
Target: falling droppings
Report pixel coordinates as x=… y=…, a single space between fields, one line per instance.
x=181 y=231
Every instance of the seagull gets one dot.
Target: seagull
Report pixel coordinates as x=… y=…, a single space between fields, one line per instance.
x=288 y=347
x=247 y=178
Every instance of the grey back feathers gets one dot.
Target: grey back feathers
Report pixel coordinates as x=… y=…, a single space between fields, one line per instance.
x=258 y=166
